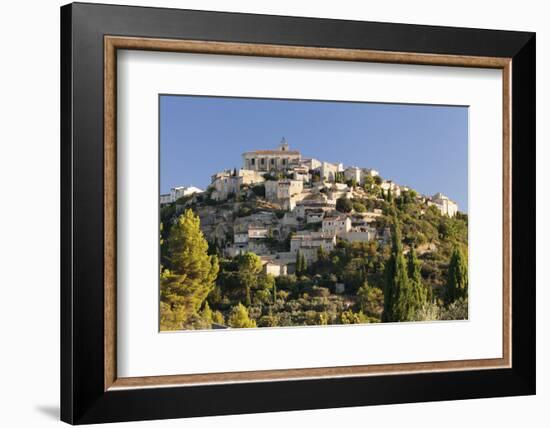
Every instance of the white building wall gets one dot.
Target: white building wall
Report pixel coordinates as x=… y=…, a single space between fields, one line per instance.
x=336 y=226
x=328 y=170
x=165 y=199
x=354 y=173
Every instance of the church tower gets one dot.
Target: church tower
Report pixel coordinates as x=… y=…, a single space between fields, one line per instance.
x=283 y=146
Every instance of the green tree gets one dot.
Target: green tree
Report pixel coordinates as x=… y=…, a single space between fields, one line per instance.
x=301 y=263
x=457 y=277
x=274 y=291
x=298 y=268
x=371 y=300
x=239 y=318
x=304 y=264
x=350 y=317
x=368 y=182
x=419 y=293
x=389 y=196
x=217 y=317
x=457 y=310
x=191 y=275
x=351 y=182
x=250 y=268
x=206 y=314
x=353 y=274
x=344 y=205
x=359 y=207
x=322 y=265
x=397 y=291
x=322 y=254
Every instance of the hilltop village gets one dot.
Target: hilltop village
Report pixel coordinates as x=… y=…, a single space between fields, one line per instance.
x=280 y=205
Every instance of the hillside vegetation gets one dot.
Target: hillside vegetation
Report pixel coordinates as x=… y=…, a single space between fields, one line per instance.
x=419 y=273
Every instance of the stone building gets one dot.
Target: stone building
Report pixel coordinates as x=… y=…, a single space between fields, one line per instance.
x=284 y=192
x=314 y=202
x=328 y=170
x=315 y=215
x=371 y=172
x=354 y=173
x=227 y=182
x=389 y=185
x=360 y=234
x=310 y=163
x=308 y=243
x=275 y=267
x=165 y=199
x=301 y=173
x=444 y=204
x=336 y=224
x=279 y=159
x=178 y=192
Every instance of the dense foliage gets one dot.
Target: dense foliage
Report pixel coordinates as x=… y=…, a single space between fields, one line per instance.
x=189 y=276
x=419 y=272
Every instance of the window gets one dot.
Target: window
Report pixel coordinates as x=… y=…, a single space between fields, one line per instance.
x=252 y=161
x=262 y=161
x=272 y=161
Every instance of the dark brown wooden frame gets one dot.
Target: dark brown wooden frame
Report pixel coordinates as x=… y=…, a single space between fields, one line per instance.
x=114 y=43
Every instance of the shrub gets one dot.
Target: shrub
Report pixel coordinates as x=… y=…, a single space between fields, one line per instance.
x=344 y=205
x=259 y=190
x=359 y=207
x=458 y=310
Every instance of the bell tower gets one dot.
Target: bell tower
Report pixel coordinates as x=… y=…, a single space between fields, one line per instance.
x=283 y=146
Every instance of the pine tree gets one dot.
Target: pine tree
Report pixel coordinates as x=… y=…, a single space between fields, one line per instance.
x=397 y=290
x=419 y=293
x=190 y=276
x=457 y=277
x=239 y=318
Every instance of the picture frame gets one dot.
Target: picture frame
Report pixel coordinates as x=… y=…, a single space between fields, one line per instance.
x=91 y=391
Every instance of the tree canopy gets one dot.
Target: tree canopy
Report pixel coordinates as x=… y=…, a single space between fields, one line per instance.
x=190 y=274
x=419 y=293
x=239 y=318
x=397 y=292
x=344 y=205
x=457 y=278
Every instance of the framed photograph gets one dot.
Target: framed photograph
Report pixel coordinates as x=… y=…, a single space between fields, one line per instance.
x=266 y=213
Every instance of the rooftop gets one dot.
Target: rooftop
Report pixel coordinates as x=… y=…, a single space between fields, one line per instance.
x=273 y=152
x=283 y=148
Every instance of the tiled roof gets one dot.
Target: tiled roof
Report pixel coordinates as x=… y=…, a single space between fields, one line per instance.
x=273 y=152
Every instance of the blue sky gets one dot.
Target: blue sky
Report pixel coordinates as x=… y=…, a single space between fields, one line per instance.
x=422 y=146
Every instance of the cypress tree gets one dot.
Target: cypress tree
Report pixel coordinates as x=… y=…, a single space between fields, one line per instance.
x=301 y=263
x=298 y=263
x=397 y=291
x=457 y=277
x=419 y=293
